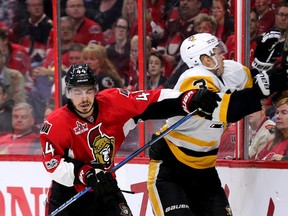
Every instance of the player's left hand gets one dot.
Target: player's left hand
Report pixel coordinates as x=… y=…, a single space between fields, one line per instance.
x=202 y=99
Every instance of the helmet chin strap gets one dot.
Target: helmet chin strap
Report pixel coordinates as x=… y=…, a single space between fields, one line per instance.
x=215 y=68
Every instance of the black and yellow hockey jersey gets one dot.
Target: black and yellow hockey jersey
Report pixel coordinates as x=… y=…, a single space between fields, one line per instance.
x=196 y=141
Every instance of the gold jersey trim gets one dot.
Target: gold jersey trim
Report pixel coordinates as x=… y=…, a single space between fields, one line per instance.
x=194 y=162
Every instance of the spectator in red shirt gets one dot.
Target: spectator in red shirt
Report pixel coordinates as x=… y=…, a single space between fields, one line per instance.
x=231 y=40
x=225 y=23
x=67 y=33
x=156 y=10
x=179 y=28
x=16 y=55
x=266 y=16
x=261 y=130
x=277 y=148
x=23 y=140
x=205 y=23
x=87 y=31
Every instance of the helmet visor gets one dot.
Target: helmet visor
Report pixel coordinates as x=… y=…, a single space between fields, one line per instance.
x=221 y=48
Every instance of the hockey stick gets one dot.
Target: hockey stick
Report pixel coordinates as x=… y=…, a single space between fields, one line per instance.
x=130 y=157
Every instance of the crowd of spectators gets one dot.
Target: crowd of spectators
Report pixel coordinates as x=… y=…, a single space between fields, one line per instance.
x=104 y=34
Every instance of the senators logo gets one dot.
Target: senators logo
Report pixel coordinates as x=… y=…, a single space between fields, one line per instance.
x=103 y=146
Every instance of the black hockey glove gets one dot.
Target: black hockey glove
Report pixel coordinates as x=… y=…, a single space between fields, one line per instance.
x=204 y=99
x=88 y=177
x=268 y=49
x=107 y=184
x=271 y=81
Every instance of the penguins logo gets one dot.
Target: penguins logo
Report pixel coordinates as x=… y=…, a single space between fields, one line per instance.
x=103 y=147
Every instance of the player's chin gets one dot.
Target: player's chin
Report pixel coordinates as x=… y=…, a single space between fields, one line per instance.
x=84 y=109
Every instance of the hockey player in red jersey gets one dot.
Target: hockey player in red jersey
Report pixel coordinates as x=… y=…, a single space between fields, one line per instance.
x=79 y=140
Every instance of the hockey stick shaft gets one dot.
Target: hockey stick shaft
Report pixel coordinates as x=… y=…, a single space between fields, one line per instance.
x=126 y=160
x=150 y=143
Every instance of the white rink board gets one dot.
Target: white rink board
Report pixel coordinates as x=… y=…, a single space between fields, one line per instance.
x=251 y=191
x=21 y=183
x=254 y=192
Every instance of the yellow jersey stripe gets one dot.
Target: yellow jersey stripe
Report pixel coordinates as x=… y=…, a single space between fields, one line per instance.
x=249 y=82
x=194 y=162
x=190 y=139
x=224 y=108
x=152 y=190
x=193 y=83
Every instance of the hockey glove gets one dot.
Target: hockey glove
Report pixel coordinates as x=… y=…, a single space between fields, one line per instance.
x=87 y=176
x=271 y=81
x=204 y=99
x=267 y=51
x=107 y=184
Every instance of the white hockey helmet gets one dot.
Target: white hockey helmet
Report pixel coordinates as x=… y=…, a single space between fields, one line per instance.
x=197 y=45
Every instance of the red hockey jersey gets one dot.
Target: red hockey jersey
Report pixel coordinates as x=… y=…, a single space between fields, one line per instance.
x=67 y=138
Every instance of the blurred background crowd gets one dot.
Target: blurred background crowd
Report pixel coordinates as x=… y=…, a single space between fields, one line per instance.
x=104 y=34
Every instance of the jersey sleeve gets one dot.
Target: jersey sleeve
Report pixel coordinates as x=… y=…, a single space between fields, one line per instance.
x=144 y=104
x=196 y=78
x=54 y=138
x=236 y=75
x=235 y=106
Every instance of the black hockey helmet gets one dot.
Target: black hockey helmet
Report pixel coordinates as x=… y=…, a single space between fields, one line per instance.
x=80 y=75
